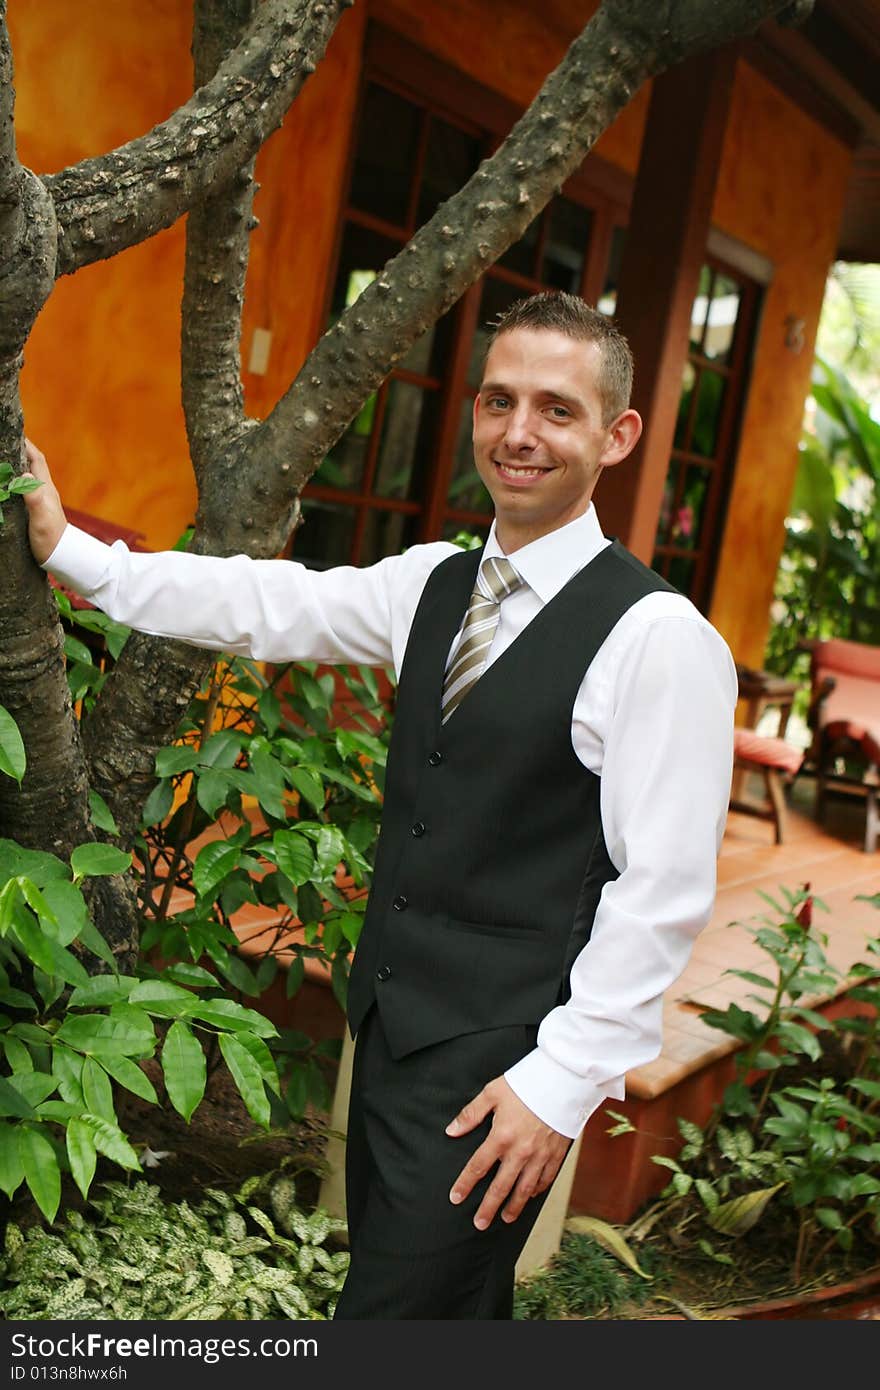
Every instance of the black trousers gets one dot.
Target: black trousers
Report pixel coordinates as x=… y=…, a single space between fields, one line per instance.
x=414 y=1254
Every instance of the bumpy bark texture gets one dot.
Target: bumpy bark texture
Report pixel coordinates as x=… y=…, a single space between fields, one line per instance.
x=251 y=59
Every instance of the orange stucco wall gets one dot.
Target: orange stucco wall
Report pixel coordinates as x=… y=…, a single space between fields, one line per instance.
x=780 y=190
x=101 y=386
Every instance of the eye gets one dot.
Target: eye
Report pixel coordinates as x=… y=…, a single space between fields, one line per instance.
x=498 y=402
x=560 y=412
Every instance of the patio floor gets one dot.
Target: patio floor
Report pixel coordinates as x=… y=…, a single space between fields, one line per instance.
x=829 y=858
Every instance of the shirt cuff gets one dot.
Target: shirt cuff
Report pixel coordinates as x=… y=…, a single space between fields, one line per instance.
x=559 y=1097
x=79 y=561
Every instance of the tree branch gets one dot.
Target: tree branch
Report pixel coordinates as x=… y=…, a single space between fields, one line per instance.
x=217 y=245
x=119 y=199
x=622 y=47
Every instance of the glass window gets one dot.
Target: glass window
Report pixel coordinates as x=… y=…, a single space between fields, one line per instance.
x=388 y=134
x=688 y=520
x=407 y=444
x=682 y=423
x=450 y=158
x=723 y=314
x=362 y=255
x=700 y=308
x=326 y=534
x=344 y=465
x=466 y=491
x=496 y=298
x=707 y=417
x=608 y=298
x=568 y=235
x=680 y=573
x=523 y=254
x=386 y=533
x=665 y=519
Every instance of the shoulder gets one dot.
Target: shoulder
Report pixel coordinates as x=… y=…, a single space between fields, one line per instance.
x=666 y=632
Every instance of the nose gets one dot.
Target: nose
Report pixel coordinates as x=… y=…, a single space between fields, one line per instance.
x=520 y=436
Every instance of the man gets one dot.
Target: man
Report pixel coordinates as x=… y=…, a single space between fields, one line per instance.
x=556 y=794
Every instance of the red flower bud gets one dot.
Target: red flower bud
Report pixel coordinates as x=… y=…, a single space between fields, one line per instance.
x=804 y=915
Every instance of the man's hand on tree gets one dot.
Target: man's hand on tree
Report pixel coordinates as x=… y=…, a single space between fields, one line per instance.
x=528 y=1152
x=46 y=519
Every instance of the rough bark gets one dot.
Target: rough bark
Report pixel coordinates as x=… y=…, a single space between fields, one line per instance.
x=118 y=199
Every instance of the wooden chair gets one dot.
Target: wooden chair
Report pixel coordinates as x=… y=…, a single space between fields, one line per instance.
x=844 y=718
x=776 y=761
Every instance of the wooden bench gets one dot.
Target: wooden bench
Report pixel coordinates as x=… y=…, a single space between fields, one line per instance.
x=777 y=762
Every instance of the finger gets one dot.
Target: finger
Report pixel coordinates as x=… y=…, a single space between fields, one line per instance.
x=477 y=1167
x=528 y=1185
x=36 y=460
x=470 y=1115
x=496 y=1193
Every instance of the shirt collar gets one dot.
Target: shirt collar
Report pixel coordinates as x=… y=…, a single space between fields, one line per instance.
x=548 y=563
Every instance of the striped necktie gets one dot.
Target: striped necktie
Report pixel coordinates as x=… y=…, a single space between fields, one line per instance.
x=500 y=578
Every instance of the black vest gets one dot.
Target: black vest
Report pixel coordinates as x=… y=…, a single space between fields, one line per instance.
x=491 y=858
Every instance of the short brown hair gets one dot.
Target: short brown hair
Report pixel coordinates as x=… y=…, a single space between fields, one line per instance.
x=571 y=315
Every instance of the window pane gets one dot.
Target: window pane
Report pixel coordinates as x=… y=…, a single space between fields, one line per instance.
x=344 y=465
x=688 y=377
x=608 y=298
x=701 y=304
x=723 y=313
x=466 y=490
x=450 y=159
x=325 y=536
x=665 y=520
x=362 y=256
x=681 y=573
x=497 y=297
x=386 y=533
x=688 y=519
x=407 y=447
x=429 y=354
x=710 y=394
x=386 y=151
x=523 y=254
x=568 y=235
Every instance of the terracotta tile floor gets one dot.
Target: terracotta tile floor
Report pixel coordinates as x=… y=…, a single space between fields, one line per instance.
x=830 y=858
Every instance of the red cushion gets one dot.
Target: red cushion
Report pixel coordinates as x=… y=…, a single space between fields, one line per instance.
x=766 y=752
x=836 y=656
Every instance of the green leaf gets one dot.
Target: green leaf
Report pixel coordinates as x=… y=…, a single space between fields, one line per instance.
x=34 y=864
x=12 y=1102
x=67 y=905
x=294 y=856
x=157 y=804
x=110 y=1141
x=193 y=975
x=263 y=1058
x=96 y=860
x=131 y=1076
x=309 y=785
x=212 y=789
x=97 y=1090
x=102 y=991
x=100 y=1036
x=34 y=1086
x=179 y=758
x=214 y=862
x=248 y=1078
x=740 y=1214
x=331 y=850
x=184 y=1069
x=68 y=1066
x=225 y=1013
x=82 y=1154
x=75 y=650
x=35 y=944
x=13 y=759
x=41 y=1171
x=11 y=1166
x=102 y=816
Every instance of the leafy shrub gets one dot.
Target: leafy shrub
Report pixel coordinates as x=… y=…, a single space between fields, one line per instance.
x=134 y=1256
x=582 y=1280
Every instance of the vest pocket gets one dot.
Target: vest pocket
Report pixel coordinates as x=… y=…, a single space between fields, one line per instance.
x=506 y=929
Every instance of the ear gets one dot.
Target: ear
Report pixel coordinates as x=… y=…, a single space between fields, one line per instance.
x=623 y=436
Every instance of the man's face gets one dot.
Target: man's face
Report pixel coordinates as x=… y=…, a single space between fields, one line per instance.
x=539 y=440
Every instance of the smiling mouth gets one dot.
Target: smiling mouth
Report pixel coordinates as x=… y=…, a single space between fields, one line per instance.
x=520 y=473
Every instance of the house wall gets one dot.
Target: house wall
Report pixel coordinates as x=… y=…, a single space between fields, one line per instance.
x=101 y=381
x=781 y=188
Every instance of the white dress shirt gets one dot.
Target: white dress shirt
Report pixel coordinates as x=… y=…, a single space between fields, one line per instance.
x=653 y=717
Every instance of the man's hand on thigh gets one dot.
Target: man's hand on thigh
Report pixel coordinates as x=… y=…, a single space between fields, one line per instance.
x=528 y=1152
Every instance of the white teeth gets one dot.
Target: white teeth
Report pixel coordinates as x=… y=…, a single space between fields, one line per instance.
x=520 y=472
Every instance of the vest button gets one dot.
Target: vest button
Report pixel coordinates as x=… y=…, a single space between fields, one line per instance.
x=435 y=759
x=419 y=828
x=399 y=903
x=383 y=973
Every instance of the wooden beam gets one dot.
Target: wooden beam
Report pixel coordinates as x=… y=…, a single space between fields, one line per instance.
x=664 y=250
